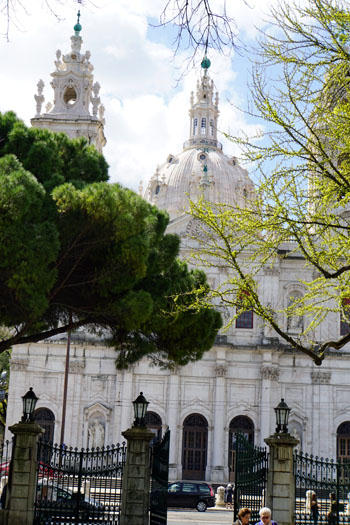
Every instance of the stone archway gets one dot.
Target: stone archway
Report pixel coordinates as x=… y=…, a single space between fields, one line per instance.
x=154 y=424
x=46 y=419
x=243 y=425
x=194 y=447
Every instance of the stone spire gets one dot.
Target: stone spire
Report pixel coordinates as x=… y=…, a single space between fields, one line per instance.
x=204 y=112
x=74 y=92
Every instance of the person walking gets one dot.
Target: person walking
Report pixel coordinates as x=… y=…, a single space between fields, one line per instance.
x=228 y=496
x=265 y=517
x=314 y=508
x=332 y=513
x=243 y=517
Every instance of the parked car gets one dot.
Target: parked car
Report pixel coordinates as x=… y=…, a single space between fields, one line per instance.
x=55 y=503
x=191 y=494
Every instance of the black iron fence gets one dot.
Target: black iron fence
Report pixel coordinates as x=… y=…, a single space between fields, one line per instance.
x=159 y=480
x=330 y=482
x=251 y=466
x=79 y=486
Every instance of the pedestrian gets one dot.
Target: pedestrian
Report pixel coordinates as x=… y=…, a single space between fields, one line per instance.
x=314 y=508
x=228 y=496
x=243 y=517
x=265 y=517
x=332 y=513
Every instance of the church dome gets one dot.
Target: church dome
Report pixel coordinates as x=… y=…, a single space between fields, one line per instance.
x=201 y=169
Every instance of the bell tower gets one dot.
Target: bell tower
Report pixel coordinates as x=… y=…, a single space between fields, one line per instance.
x=76 y=108
x=204 y=112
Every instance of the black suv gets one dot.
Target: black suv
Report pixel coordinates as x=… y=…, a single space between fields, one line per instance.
x=191 y=494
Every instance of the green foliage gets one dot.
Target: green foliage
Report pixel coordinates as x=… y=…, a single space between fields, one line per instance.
x=52 y=157
x=301 y=156
x=89 y=254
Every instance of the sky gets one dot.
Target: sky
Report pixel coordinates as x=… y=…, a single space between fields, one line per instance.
x=145 y=96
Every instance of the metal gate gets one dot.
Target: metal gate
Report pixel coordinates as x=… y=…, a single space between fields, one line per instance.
x=251 y=464
x=330 y=481
x=159 y=481
x=79 y=486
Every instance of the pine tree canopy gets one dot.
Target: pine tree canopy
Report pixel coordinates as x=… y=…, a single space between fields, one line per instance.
x=78 y=252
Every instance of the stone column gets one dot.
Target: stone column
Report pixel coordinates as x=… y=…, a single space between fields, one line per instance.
x=173 y=422
x=136 y=477
x=219 y=473
x=23 y=474
x=280 y=493
x=269 y=373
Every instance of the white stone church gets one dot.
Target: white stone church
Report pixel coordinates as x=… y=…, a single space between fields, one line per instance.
x=241 y=379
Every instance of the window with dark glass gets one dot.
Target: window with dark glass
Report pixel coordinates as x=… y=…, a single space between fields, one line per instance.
x=245 y=318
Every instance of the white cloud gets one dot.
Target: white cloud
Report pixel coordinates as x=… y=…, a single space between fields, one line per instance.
x=146 y=110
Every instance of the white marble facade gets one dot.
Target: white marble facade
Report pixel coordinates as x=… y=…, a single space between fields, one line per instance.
x=246 y=373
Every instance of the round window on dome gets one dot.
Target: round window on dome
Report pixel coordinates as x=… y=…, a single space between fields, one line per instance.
x=70 y=96
x=202 y=156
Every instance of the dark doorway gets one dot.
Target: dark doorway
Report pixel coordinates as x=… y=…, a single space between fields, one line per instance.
x=46 y=419
x=242 y=425
x=194 y=447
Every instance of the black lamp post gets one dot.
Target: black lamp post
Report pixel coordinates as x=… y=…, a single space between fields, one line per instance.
x=29 y=402
x=140 y=409
x=282 y=414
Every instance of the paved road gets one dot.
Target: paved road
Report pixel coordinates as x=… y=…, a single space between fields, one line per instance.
x=193 y=517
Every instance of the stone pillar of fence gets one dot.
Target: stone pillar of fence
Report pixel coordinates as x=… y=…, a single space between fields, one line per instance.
x=20 y=497
x=280 y=490
x=136 y=477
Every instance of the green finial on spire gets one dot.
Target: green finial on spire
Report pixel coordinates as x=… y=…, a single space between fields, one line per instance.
x=205 y=63
x=77 y=28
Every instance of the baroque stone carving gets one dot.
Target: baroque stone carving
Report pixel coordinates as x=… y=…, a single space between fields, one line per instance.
x=76 y=367
x=270 y=372
x=19 y=364
x=220 y=371
x=320 y=378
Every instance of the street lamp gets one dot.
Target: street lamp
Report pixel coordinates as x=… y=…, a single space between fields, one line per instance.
x=29 y=402
x=282 y=414
x=140 y=409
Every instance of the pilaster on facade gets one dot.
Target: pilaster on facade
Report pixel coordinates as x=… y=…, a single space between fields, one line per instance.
x=319 y=377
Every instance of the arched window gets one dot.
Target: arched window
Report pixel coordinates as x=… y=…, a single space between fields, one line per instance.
x=344 y=317
x=45 y=418
x=203 y=126
x=195 y=126
x=243 y=425
x=157 y=189
x=194 y=447
x=154 y=424
x=343 y=441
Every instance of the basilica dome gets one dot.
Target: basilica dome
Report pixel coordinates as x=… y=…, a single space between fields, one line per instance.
x=201 y=169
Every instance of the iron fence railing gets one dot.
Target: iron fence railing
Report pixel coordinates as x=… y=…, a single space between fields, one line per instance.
x=251 y=467
x=79 y=486
x=330 y=481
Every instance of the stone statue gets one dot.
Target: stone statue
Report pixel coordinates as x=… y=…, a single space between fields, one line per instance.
x=96 y=434
x=95 y=100
x=39 y=98
x=58 y=62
